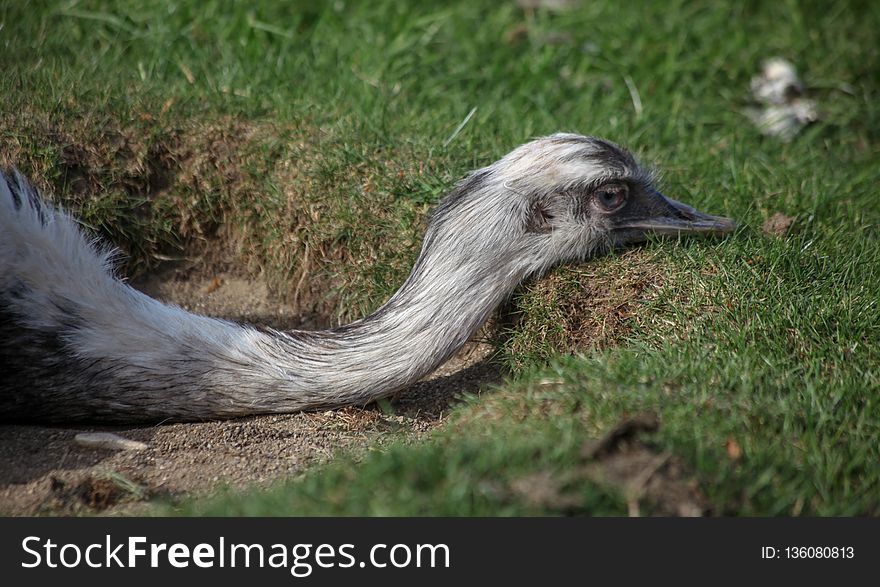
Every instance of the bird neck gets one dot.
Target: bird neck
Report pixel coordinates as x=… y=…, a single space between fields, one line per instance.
x=426 y=321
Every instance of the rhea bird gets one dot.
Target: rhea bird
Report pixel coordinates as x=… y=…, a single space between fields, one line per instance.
x=77 y=343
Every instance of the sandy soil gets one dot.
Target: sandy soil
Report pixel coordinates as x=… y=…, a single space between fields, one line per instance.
x=43 y=470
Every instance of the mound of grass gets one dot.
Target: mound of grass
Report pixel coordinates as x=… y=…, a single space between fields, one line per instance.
x=310 y=140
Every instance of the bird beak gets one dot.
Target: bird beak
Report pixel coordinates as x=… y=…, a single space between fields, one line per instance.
x=670 y=217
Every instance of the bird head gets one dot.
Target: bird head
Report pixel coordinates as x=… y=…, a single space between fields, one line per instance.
x=564 y=198
x=581 y=195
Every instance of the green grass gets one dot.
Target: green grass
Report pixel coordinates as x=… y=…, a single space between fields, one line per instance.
x=329 y=128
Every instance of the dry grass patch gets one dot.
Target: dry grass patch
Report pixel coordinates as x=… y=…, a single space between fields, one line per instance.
x=330 y=227
x=586 y=308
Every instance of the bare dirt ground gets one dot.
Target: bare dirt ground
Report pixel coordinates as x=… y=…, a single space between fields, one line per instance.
x=43 y=470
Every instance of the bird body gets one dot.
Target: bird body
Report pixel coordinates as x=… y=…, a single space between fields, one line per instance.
x=77 y=343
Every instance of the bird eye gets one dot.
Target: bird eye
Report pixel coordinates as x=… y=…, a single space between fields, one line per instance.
x=610 y=197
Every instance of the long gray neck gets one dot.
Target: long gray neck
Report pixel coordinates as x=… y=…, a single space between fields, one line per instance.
x=430 y=318
x=85 y=346
x=467 y=266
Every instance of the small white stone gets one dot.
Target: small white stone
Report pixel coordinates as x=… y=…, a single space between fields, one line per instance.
x=108 y=440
